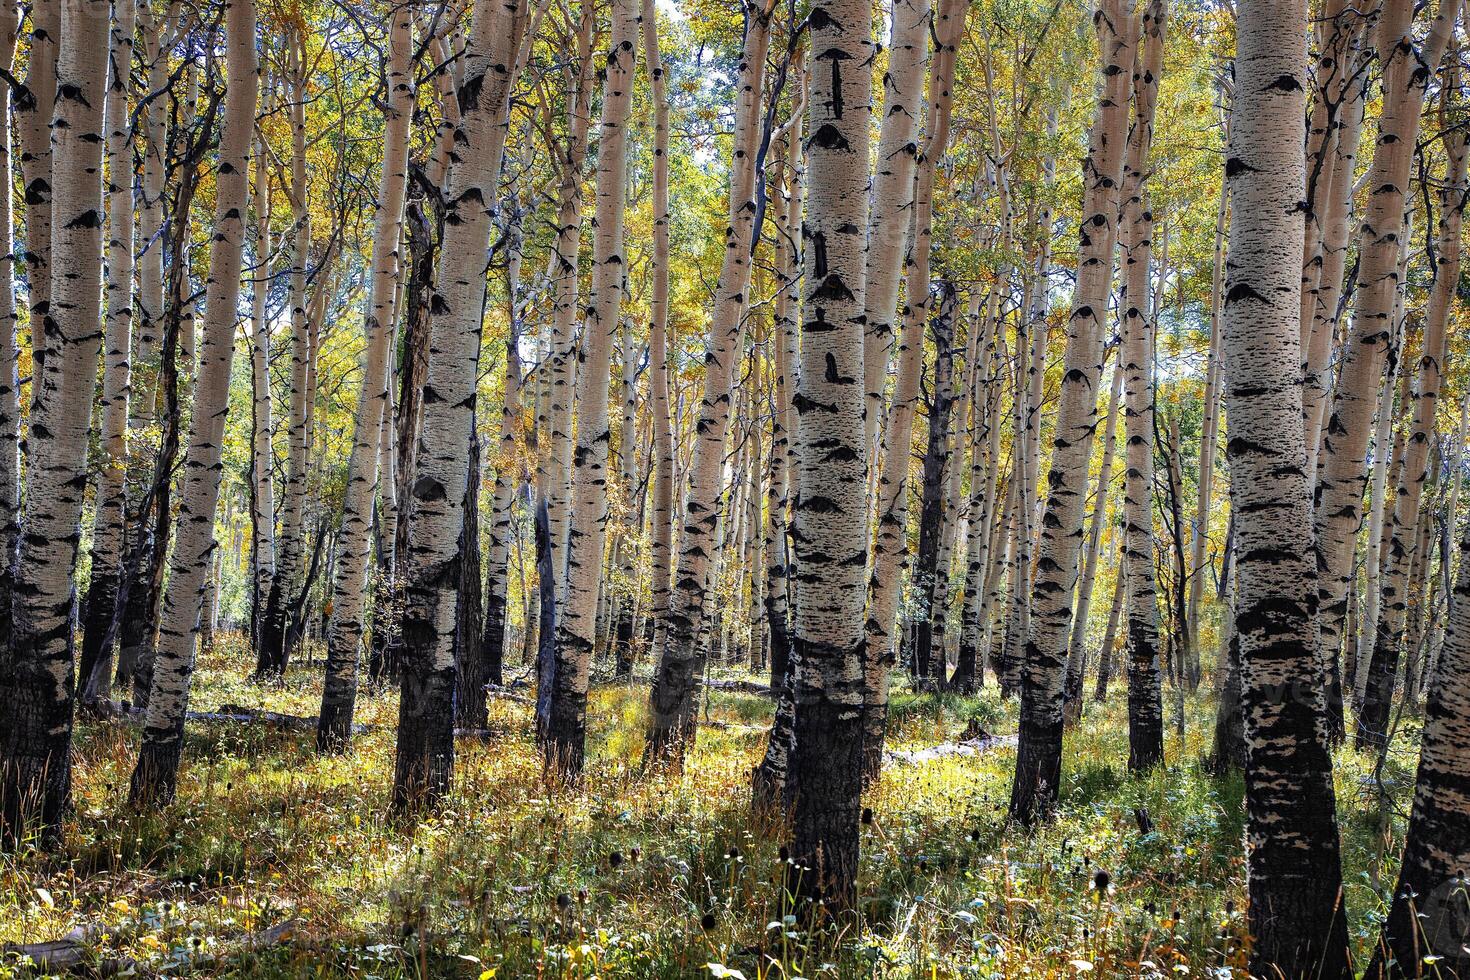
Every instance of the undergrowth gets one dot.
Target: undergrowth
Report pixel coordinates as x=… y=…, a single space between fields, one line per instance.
x=663 y=874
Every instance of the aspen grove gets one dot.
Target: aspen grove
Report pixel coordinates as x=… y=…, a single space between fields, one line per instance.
x=755 y=489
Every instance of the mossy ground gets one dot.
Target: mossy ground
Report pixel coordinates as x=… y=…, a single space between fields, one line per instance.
x=664 y=874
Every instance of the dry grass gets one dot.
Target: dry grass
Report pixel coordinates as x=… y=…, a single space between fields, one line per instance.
x=664 y=875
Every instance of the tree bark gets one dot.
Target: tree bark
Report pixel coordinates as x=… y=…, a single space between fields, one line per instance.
x=1293 y=868
x=564 y=741
x=354 y=538
x=1403 y=531
x=1039 y=746
x=156 y=775
x=35 y=737
x=825 y=767
x=671 y=723
x=425 y=750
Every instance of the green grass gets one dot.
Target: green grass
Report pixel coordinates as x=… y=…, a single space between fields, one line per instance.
x=515 y=878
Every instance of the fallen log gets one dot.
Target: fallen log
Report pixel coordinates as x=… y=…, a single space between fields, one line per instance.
x=969 y=746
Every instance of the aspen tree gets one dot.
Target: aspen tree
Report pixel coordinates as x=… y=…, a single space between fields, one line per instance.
x=191 y=565
x=10 y=472
x=661 y=535
x=893 y=195
x=354 y=539
x=35 y=754
x=502 y=495
x=825 y=765
x=94 y=675
x=1039 y=747
x=1343 y=472
x=554 y=428
x=624 y=548
x=1077 y=646
x=769 y=779
x=1425 y=933
x=34 y=110
x=671 y=719
x=1210 y=425
x=263 y=544
x=425 y=750
x=984 y=481
x=1145 y=704
x=1293 y=869
x=564 y=739
x=275 y=651
x=925 y=588
x=1402 y=531
x=890 y=552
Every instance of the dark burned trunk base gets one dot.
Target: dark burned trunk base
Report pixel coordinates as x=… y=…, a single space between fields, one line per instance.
x=493 y=646
x=99 y=631
x=470 y=710
x=1373 y=716
x=156 y=777
x=424 y=767
x=1145 y=699
x=824 y=772
x=35 y=786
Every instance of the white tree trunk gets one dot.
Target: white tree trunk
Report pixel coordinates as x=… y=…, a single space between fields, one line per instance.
x=1038 y=760
x=425 y=753
x=675 y=690
x=354 y=539
x=35 y=765
x=831 y=510
x=95 y=673
x=564 y=736
x=890 y=550
x=192 y=563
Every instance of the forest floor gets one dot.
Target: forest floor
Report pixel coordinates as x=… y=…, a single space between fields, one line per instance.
x=275 y=862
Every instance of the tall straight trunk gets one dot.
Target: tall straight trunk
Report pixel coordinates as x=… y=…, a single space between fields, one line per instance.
x=893 y=195
x=890 y=549
x=1426 y=931
x=969 y=673
x=1145 y=699
x=275 y=650
x=157 y=20
x=1199 y=537
x=564 y=740
x=94 y=674
x=507 y=465
x=425 y=750
x=1110 y=632
x=625 y=549
x=10 y=471
x=554 y=429
x=262 y=460
x=1336 y=242
x=1077 y=646
x=156 y=775
x=354 y=538
x=1344 y=468
x=672 y=717
x=1420 y=610
x=34 y=111
x=1390 y=389
x=1039 y=748
x=768 y=781
x=35 y=736
x=932 y=493
x=1393 y=606
x=825 y=767
x=1294 y=878
x=661 y=535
